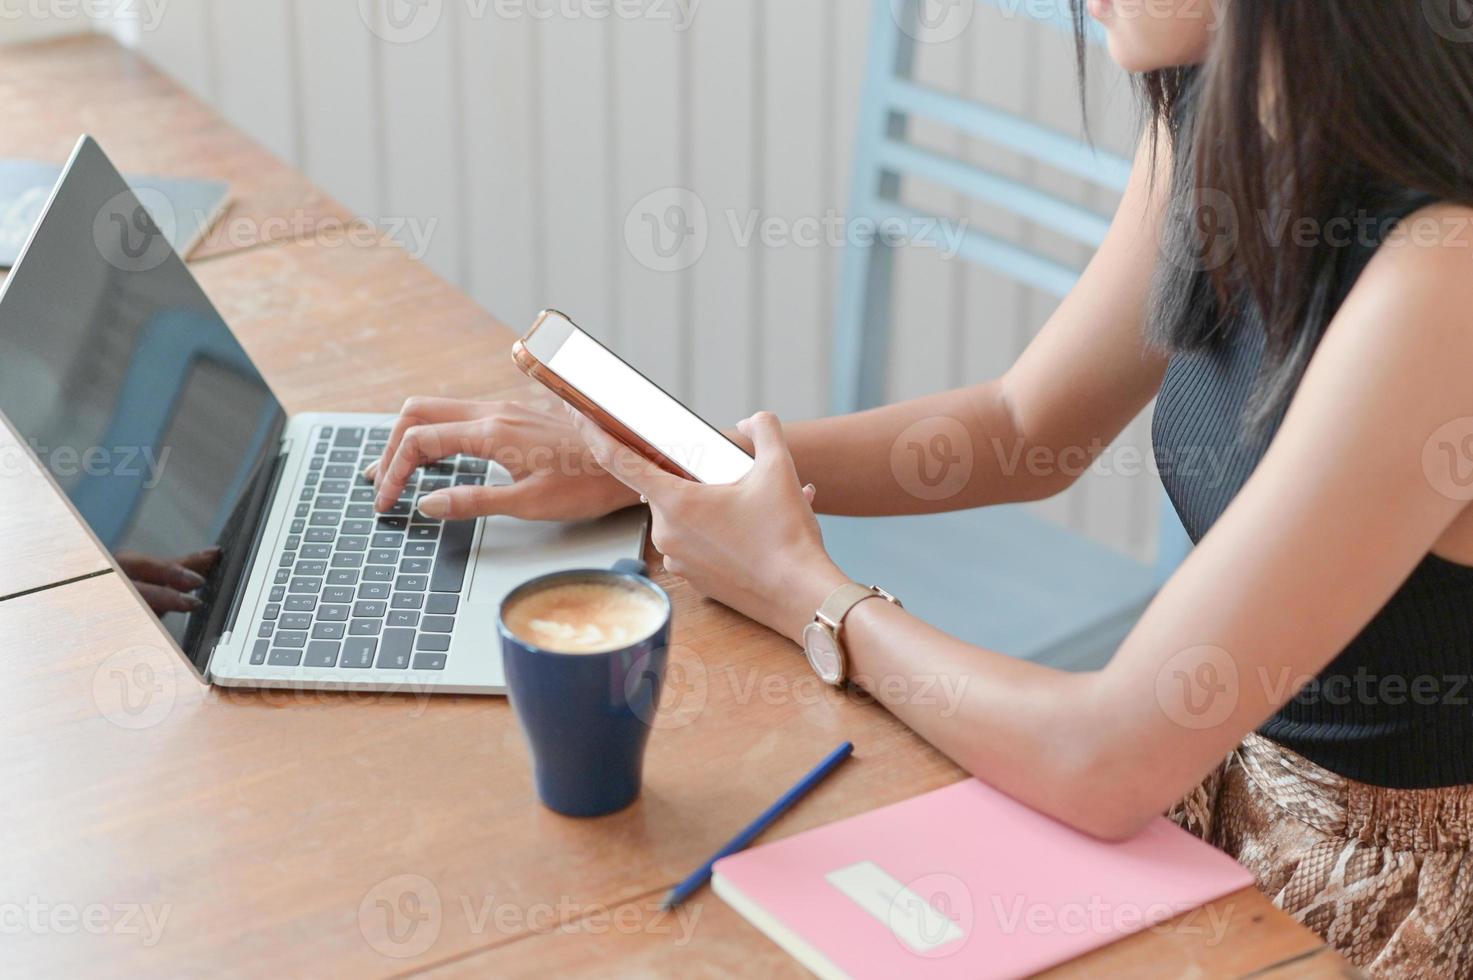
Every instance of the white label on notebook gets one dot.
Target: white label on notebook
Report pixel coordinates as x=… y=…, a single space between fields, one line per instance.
x=912 y=919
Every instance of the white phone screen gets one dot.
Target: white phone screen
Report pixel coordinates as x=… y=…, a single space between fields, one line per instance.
x=656 y=417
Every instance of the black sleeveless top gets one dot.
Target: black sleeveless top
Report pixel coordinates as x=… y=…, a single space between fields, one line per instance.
x=1395 y=708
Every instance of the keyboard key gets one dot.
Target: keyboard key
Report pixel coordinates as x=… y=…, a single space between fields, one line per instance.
x=383 y=556
x=433 y=641
x=365 y=627
x=424 y=532
x=356 y=527
x=265 y=629
x=348 y=437
x=402 y=617
x=334 y=502
x=437 y=624
x=411 y=583
x=283 y=576
x=332 y=614
x=442 y=604
x=419 y=549
x=258 y=652
x=294 y=542
x=466 y=480
x=322 y=535
x=358 y=652
x=455 y=552
x=329 y=631
x=296 y=621
x=303 y=510
x=337 y=593
x=286 y=559
x=298 y=527
x=386 y=523
x=312 y=478
x=370 y=607
x=394 y=649
x=343 y=456
x=312 y=568
x=406 y=600
x=316 y=463
x=347 y=560
x=378 y=573
x=359 y=511
x=286 y=658
x=379 y=434
x=325 y=518
x=335 y=487
x=338 y=471
x=363 y=495
x=303 y=585
x=388 y=539
x=290 y=639
x=353 y=544
x=300 y=603
x=272 y=611
x=416 y=566
x=373 y=590
x=433 y=483
x=322 y=653
x=373 y=450
x=316 y=551
x=429 y=661
x=468 y=465
x=402 y=508
x=342 y=576
x=278 y=592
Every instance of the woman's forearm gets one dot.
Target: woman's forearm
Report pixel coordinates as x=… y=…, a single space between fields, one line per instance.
x=948 y=451
x=1038 y=734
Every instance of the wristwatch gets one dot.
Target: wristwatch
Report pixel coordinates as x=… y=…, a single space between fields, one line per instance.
x=823 y=639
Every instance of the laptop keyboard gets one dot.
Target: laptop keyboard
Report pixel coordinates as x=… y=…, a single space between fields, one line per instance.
x=354 y=589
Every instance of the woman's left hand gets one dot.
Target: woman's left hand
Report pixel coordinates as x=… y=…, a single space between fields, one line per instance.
x=753 y=545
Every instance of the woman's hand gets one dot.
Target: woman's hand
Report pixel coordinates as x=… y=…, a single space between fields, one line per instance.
x=554 y=476
x=168 y=584
x=753 y=545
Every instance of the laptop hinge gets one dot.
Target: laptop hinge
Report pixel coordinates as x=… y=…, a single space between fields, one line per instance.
x=274 y=477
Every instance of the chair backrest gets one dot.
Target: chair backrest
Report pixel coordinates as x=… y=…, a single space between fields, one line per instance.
x=884 y=157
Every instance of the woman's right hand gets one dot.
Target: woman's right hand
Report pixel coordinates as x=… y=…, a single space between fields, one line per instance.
x=554 y=475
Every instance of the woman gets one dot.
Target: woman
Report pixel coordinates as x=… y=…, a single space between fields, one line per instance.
x=1291 y=270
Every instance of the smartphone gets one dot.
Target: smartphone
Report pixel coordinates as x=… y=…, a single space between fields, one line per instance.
x=625 y=404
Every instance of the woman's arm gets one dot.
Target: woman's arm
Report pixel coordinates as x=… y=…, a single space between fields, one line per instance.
x=1078 y=384
x=1085 y=376
x=1341 y=509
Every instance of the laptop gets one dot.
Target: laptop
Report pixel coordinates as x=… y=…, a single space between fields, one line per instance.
x=135 y=396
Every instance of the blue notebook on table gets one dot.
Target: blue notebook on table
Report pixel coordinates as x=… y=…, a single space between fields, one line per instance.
x=181 y=207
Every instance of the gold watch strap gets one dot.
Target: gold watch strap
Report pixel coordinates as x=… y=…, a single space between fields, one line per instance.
x=845 y=598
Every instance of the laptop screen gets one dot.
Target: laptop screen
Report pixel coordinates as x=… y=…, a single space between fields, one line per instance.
x=127 y=385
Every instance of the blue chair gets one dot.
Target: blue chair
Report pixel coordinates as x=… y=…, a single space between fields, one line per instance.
x=999 y=576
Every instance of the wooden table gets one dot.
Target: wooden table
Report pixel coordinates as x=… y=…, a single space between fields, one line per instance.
x=157 y=826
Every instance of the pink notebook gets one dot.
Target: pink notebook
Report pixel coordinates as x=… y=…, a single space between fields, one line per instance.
x=967 y=882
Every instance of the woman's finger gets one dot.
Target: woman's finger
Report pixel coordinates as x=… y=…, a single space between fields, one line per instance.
x=769 y=445
x=425 y=411
x=428 y=444
x=202 y=561
x=160 y=571
x=464 y=503
x=623 y=463
x=162 y=599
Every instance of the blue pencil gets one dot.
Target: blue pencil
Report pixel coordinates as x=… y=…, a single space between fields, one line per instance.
x=693 y=884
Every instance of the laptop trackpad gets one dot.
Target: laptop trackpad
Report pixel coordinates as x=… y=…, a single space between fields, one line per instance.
x=512 y=551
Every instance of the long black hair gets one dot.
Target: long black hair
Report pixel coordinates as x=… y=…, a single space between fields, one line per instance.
x=1306 y=114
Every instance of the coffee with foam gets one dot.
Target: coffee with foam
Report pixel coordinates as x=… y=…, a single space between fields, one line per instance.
x=587 y=616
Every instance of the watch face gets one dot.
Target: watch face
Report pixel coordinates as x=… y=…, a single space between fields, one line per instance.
x=823 y=653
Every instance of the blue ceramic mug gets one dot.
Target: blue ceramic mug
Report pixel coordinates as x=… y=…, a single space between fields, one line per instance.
x=587 y=716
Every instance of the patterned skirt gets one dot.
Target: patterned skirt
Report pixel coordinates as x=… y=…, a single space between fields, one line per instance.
x=1384 y=875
